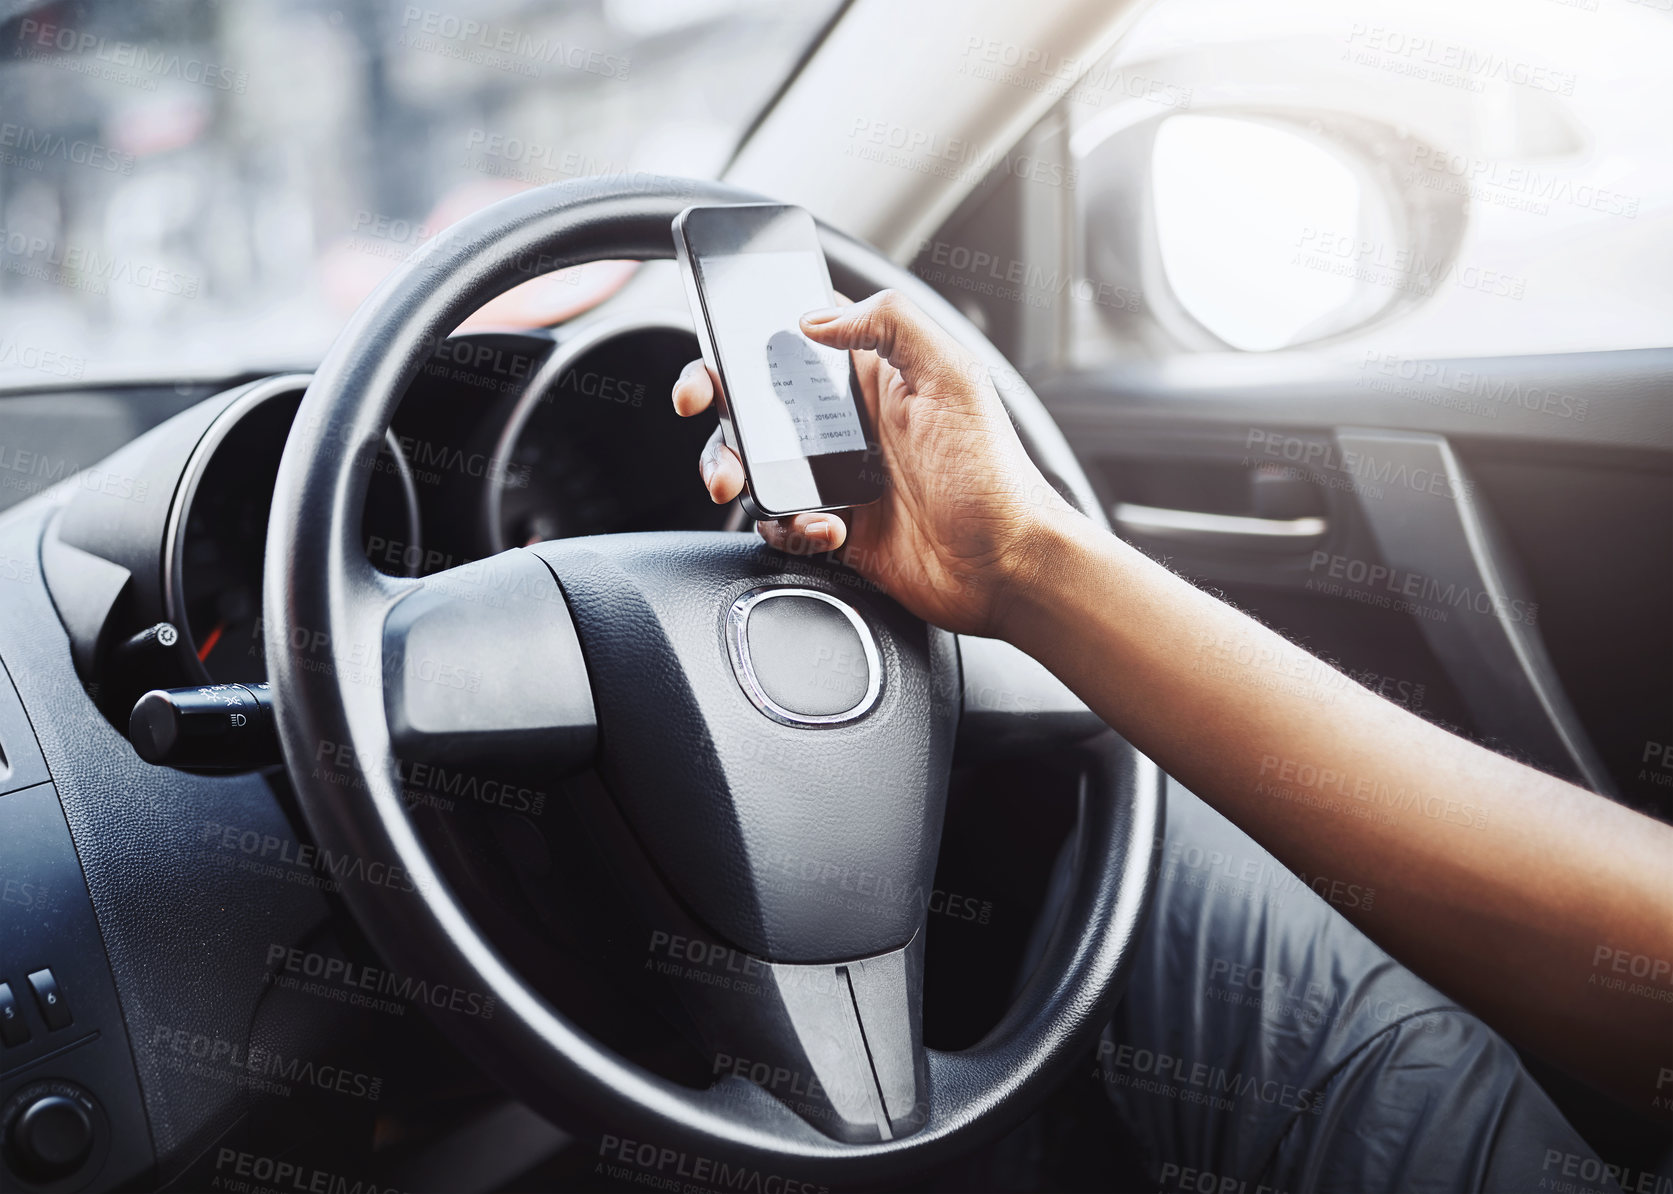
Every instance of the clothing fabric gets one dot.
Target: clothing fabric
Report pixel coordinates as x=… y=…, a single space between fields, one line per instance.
x=1266 y=1046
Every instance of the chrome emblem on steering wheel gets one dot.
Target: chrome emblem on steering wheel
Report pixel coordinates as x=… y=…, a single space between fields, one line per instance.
x=804 y=658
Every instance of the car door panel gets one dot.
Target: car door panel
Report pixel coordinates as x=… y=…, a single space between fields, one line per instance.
x=1495 y=534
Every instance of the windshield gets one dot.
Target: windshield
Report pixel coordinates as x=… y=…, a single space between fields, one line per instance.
x=200 y=188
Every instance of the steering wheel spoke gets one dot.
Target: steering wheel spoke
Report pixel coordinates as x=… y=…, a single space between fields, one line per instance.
x=841 y=1045
x=481 y=665
x=1013 y=706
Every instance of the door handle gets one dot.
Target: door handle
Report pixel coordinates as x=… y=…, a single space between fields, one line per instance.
x=1221 y=530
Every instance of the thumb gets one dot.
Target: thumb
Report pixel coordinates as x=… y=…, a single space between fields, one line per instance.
x=891 y=325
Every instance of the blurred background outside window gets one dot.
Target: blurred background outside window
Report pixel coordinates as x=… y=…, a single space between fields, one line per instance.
x=195 y=188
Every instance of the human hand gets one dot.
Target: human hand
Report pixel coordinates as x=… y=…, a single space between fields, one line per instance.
x=953 y=538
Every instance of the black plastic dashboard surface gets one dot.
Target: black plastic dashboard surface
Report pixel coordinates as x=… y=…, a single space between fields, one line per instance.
x=81 y=1050
x=184 y=923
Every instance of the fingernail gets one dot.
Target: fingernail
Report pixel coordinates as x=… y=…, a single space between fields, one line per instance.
x=819 y=528
x=821 y=315
x=707 y=467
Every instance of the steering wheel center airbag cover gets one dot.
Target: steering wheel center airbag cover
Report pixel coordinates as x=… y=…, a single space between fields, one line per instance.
x=803 y=657
x=794 y=843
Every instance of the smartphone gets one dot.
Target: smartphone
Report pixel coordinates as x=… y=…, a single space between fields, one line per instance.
x=791 y=409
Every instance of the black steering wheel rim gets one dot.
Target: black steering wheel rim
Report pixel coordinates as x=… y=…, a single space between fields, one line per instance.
x=322 y=602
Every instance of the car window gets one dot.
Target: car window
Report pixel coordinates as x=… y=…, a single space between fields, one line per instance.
x=1426 y=176
x=199 y=187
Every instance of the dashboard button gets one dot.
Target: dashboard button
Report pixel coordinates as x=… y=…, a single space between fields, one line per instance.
x=54 y=1010
x=52 y=1137
x=13 y=1030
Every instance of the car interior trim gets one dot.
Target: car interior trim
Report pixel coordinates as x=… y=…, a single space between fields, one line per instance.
x=738 y=649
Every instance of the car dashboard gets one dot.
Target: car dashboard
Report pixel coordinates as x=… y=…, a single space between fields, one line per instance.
x=503 y=439
x=150 y=564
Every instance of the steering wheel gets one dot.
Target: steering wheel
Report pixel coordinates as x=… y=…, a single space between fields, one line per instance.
x=774 y=733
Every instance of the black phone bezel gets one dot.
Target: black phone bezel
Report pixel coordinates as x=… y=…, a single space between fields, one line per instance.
x=774 y=489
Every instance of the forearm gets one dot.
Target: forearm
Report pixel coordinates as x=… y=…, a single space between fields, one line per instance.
x=1509 y=889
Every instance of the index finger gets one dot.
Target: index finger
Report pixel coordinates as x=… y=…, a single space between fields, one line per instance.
x=693 y=392
x=895 y=328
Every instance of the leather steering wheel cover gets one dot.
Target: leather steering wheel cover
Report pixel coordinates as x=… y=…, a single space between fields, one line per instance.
x=323 y=603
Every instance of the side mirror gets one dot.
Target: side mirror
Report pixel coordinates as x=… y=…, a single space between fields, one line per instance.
x=1261 y=230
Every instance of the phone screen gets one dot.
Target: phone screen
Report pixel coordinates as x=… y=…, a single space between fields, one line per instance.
x=790 y=395
x=791 y=408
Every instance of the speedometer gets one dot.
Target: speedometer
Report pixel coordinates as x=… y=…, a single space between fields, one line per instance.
x=212 y=567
